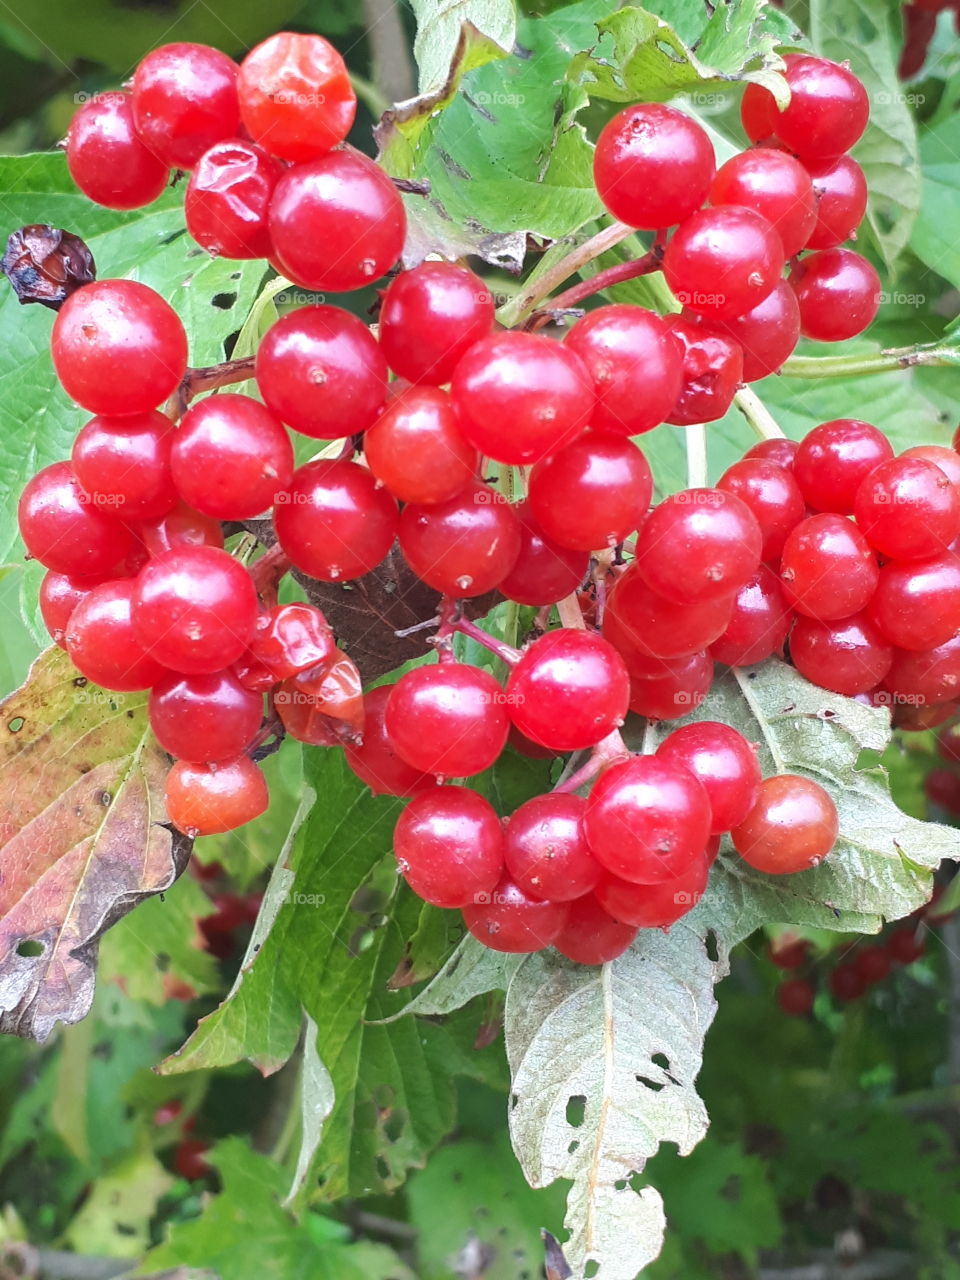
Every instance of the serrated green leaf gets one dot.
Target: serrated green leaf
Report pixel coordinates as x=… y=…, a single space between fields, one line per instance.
x=866 y=33
x=115 y=1218
x=244 y=1234
x=37 y=421
x=642 y=56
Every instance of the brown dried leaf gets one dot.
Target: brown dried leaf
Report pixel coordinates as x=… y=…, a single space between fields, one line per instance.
x=82 y=837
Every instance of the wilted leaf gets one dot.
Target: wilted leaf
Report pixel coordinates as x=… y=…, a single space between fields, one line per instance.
x=115 y=1218
x=440 y=35
x=82 y=839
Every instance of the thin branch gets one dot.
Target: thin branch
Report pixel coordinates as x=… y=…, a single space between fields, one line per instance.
x=696 y=441
x=856 y=366
x=758 y=415
x=617 y=274
x=527 y=299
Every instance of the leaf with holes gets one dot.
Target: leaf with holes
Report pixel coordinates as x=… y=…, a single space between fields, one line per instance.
x=82 y=837
x=604 y=1060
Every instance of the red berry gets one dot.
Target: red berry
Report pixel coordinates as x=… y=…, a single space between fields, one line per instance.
x=636 y=363
x=59 y=596
x=849 y=656
x=65 y=531
x=795 y=997
x=942 y=788
x=591 y=494
x=544 y=571
x=767 y=333
x=669 y=688
x=655 y=627
x=335 y=523
x=773 y=496
x=948 y=460
x=847 y=983
x=207 y=799
x=840 y=195
x=904 y=946
x=180 y=527
x=189 y=1159
x=512 y=921
x=699 y=545
x=374 y=759
x=569 y=690
x=591 y=935
x=723 y=261
x=184 y=100
x=776 y=186
x=228 y=200
x=546 y=853
x=204 y=719
x=647 y=819
x=417 y=449
x=838 y=293
x=520 y=396
x=778 y=450
x=873 y=964
x=336 y=223
x=712 y=372
x=792 y=826
x=449 y=847
x=194 y=609
x=123 y=465
x=296 y=98
x=231 y=457
x=828 y=569
x=449 y=719
x=430 y=318
x=653 y=166
x=789 y=952
x=322 y=373
x=291 y=638
x=834 y=459
x=118 y=348
x=463 y=547
x=101 y=642
x=107 y=159
x=725 y=764
x=654 y=906
x=908 y=509
x=827 y=112
x=917 y=603
x=758 y=625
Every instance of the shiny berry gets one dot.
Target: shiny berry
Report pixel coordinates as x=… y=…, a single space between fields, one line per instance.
x=184 y=100
x=656 y=627
x=848 y=656
x=654 y=906
x=712 y=372
x=592 y=494
x=827 y=112
x=375 y=760
x=450 y=719
x=697 y=545
x=463 y=547
x=908 y=509
x=833 y=460
x=449 y=847
x=228 y=200
x=58 y=597
x=208 y=718
x=102 y=644
x=208 y=799
x=430 y=317
x=828 y=569
x=107 y=159
x=840 y=194
x=792 y=826
x=776 y=186
x=773 y=496
x=123 y=465
x=591 y=935
x=64 y=529
x=767 y=333
x=917 y=603
x=725 y=764
x=417 y=449
x=723 y=261
x=544 y=572
x=545 y=850
x=838 y=293
x=510 y=920
x=758 y=624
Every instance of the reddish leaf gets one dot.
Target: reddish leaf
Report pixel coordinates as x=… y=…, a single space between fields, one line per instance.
x=82 y=837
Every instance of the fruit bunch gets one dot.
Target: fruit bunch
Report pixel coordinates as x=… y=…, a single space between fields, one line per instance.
x=143 y=595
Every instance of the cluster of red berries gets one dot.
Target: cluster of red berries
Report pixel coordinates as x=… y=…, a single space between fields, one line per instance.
x=142 y=594
x=269 y=178
x=919 y=27
x=942 y=784
x=861 y=966
x=795 y=191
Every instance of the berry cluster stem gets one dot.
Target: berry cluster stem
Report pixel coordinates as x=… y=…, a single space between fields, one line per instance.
x=609 y=749
x=453 y=622
x=758 y=415
x=855 y=366
x=617 y=274
x=529 y=298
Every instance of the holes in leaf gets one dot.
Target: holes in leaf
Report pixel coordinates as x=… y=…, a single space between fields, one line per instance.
x=576 y=1110
x=661 y=1060
x=591 y=1269
x=223 y=301
x=573 y=1147
x=394 y=1126
x=514 y=1100
x=655 y=1085
x=16 y=724
x=713 y=947
x=383 y=1169
x=29 y=948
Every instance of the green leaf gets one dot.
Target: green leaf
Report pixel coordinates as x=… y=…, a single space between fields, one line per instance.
x=933 y=240
x=472 y=1195
x=115 y=1218
x=866 y=33
x=502 y=155
x=244 y=1234
x=642 y=56
x=441 y=35
x=316 y=1103
x=158 y=950
x=37 y=421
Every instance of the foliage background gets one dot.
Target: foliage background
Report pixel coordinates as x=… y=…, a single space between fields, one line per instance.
x=831 y=1136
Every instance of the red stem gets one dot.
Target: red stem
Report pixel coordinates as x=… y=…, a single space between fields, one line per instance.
x=452 y=622
x=611 y=748
x=577 y=293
